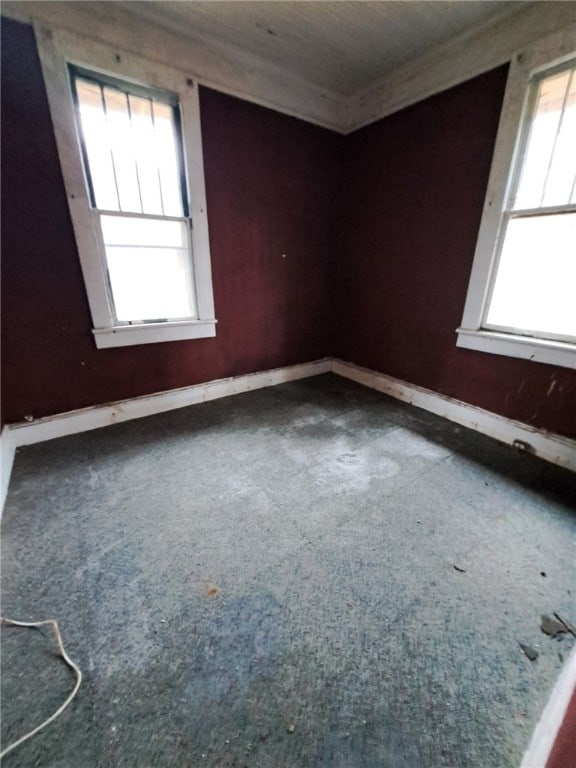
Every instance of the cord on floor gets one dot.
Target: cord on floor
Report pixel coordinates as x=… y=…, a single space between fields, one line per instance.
x=54 y=626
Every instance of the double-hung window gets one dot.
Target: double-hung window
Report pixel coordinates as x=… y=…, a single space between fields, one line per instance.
x=522 y=295
x=129 y=140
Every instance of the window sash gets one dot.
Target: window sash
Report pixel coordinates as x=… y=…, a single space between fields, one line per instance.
x=58 y=50
x=509 y=212
x=507 y=216
x=190 y=276
x=152 y=95
x=526 y=128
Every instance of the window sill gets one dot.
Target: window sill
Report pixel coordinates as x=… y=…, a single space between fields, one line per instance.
x=152 y=333
x=535 y=350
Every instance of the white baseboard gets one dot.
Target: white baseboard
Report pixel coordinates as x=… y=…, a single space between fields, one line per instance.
x=546 y=732
x=547 y=445
x=554 y=448
x=7 y=452
x=85 y=419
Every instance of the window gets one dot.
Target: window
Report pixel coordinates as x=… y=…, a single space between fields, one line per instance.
x=522 y=295
x=128 y=134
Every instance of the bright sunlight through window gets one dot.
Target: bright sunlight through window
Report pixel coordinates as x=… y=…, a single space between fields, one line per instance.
x=534 y=289
x=133 y=163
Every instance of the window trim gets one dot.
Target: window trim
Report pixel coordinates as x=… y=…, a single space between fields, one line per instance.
x=543 y=55
x=58 y=49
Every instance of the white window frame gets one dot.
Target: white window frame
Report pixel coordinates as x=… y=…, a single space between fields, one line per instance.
x=541 y=55
x=57 y=49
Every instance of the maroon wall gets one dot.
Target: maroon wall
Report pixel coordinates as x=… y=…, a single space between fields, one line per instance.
x=415 y=189
x=564 y=749
x=378 y=228
x=271 y=190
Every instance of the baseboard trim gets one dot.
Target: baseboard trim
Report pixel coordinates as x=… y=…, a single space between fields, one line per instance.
x=7 y=453
x=546 y=445
x=548 y=728
x=95 y=417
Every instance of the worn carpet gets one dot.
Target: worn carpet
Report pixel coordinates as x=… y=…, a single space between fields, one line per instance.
x=307 y=575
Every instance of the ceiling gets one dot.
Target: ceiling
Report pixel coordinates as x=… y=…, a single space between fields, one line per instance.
x=340 y=65
x=343 y=47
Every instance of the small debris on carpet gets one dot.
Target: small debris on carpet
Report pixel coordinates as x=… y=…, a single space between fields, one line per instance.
x=551 y=626
x=291 y=728
x=212 y=591
x=529 y=651
x=460 y=570
x=542 y=573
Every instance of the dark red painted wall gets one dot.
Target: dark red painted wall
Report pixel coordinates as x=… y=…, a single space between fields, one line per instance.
x=415 y=189
x=271 y=189
x=378 y=228
x=564 y=750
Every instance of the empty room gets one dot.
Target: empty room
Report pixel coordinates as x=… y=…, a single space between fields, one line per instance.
x=295 y=488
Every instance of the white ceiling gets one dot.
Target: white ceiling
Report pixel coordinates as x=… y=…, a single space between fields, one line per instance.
x=341 y=65
x=343 y=47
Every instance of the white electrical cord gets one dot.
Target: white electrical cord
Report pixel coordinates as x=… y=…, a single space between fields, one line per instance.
x=54 y=625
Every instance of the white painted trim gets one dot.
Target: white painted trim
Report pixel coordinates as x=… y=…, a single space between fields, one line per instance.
x=56 y=49
x=257 y=80
x=546 y=732
x=509 y=142
x=151 y=333
x=466 y=56
x=206 y=61
x=532 y=349
x=547 y=445
x=7 y=453
x=85 y=419
x=194 y=161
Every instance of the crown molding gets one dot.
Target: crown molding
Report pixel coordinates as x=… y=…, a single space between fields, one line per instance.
x=205 y=60
x=463 y=58
x=247 y=76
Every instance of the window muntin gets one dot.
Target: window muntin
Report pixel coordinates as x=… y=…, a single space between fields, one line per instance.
x=133 y=163
x=534 y=284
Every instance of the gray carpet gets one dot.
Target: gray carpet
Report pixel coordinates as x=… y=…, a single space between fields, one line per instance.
x=307 y=575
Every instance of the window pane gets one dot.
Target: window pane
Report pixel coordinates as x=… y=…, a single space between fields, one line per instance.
x=550 y=160
x=535 y=288
x=563 y=166
x=132 y=151
x=123 y=150
x=147 y=158
x=168 y=159
x=149 y=268
x=126 y=230
x=149 y=283
x=97 y=141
